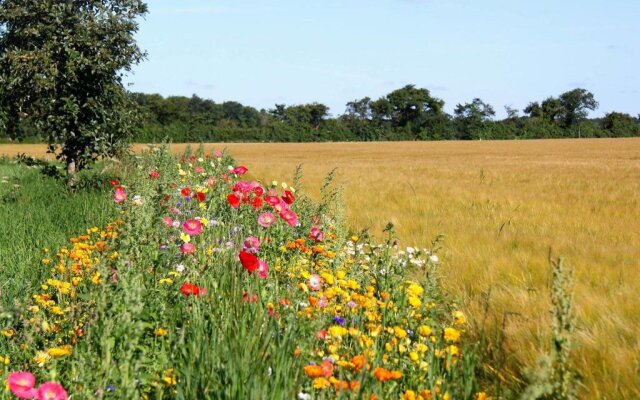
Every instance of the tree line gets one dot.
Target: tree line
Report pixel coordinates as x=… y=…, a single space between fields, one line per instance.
x=408 y=113
x=61 y=82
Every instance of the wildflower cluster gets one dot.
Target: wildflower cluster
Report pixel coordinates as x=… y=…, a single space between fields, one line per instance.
x=215 y=285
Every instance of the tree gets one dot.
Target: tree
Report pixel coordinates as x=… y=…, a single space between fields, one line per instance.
x=472 y=117
x=620 y=124
x=61 y=66
x=575 y=104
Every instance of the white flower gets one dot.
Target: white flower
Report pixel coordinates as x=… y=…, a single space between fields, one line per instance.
x=180 y=268
x=137 y=200
x=434 y=258
x=304 y=396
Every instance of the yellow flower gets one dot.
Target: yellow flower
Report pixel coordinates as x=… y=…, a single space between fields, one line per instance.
x=451 y=334
x=41 y=358
x=5 y=360
x=414 y=356
x=409 y=395
x=168 y=378
x=414 y=302
x=481 y=396
x=76 y=280
x=184 y=237
x=399 y=332
x=160 y=332
x=8 y=332
x=166 y=281
x=321 y=383
x=424 y=330
x=414 y=289
x=458 y=317
x=337 y=331
x=60 y=351
x=96 y=278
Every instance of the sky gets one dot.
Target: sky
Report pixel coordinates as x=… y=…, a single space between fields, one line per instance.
x=506 y=52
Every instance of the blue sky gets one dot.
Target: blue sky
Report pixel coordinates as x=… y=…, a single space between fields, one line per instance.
x=507 y=52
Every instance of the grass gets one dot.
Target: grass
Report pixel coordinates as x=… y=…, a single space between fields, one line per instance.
x=38 y=213
x=503 y=207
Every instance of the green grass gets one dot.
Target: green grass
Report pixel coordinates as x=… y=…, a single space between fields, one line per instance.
x=38 y=212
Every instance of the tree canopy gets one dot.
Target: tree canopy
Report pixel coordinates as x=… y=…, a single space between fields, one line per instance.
x=61 y=69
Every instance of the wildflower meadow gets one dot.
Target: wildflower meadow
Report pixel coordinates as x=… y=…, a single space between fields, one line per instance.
x=208 y=284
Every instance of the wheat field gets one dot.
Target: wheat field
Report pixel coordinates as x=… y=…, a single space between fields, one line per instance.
x=503 y=207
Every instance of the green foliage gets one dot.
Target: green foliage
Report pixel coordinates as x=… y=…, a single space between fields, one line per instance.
x=61 y=68
x=39 y=212
x=554 y=378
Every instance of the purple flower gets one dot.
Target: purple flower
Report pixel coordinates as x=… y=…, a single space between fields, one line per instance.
x=339 y=320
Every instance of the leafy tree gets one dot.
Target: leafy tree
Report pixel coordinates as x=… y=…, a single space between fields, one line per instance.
x=61 y=66
x=552 y=109
x=472 y=117
x=575 y=104
x=620 y=124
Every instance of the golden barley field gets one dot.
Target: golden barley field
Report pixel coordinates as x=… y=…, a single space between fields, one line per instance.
x=503 y=206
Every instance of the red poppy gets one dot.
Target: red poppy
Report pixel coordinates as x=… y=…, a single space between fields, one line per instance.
x=249 y=261
x=201 y=196
x=233 y=200
x=190 y=289
x=154 y=174
x=114 y=182
x=288 y=197
x=185 y=192
x=258 y=190
x=256 y=203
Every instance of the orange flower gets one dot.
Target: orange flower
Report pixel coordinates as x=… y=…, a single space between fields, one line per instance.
x=358 y=362
x=315 y=371
x=384 y=375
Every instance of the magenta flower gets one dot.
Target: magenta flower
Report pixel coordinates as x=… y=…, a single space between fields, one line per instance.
x=51 y=391
x=21 y=384
x=316 y=234
x=239 y=170
x=192 y=227
x=251 y=244
x=315 y=282
x=266 y=219
x=188 y=248
x=119 y=195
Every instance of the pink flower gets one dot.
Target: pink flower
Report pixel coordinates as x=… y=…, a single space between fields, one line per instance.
x=251 y=244
x=21 y=384
x=316 y=234
x=218 y=153
x=154 y=174
x=272 y=200
x=198 y=169
x=167 y=221
x=192 y=227
x=119 y=195
x=323 y=302
x=239 y=170
x=266 y=219
x=315 y=282
x=263 y=269
x=51 y=391
x=289 y=216
x=211 y=181
x=188 y=248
